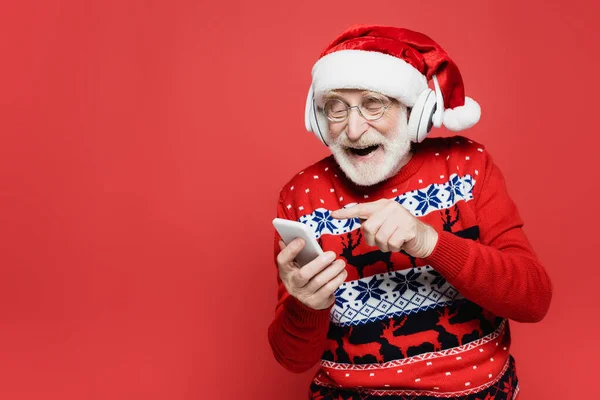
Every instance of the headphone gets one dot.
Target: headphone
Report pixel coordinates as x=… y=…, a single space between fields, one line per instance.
x=427 y=112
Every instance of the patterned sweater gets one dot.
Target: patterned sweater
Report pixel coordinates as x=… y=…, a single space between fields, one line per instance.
x=403 y=327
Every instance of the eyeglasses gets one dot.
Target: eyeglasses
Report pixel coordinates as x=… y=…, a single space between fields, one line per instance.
x=370 y=108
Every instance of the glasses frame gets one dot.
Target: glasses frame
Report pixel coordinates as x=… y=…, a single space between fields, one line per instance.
x=349 y=107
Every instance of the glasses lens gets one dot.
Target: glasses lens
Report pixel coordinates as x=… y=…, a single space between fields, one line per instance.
x=372 y=107
x=335 y=110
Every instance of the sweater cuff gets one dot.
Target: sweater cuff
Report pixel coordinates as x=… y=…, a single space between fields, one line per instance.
x=304 y=316
x=449 y=255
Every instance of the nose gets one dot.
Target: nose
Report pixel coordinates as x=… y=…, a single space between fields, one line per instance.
x=357 y=125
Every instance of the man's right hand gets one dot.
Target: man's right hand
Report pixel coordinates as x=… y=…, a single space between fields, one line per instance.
x=315 y=283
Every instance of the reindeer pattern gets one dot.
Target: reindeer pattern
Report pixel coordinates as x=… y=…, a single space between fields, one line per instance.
x=398 y=332
x=360 y=261
x=363 y=260
x=407 y=335
x=410 y=334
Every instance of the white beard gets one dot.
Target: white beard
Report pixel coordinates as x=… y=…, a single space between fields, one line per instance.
x=396 y=147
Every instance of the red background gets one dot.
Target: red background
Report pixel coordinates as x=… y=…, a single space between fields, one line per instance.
x=142 y=148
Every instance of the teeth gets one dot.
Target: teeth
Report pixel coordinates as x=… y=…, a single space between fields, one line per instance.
x=362 y=148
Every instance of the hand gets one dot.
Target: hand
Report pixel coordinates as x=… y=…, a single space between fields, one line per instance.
x=313 y=284
x=391 y=227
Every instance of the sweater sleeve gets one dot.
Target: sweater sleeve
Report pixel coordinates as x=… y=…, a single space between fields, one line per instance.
x=501 y=272
x=298 y=333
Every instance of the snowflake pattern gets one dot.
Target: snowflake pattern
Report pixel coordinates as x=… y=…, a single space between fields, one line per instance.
x=439 y=280
x=427 y=199
x=324 y=220
x=339 y=299
x=454 y=188
x=350 y=222
x=391 y=294
x=369 y=289
x=408 y=281
x=419 y=202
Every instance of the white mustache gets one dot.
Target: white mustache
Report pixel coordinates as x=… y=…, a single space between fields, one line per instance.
x=368 y=139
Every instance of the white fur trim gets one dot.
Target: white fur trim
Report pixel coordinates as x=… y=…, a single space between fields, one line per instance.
x=370 y=70
x=463 y=117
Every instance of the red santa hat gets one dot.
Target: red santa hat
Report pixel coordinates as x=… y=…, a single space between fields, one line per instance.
x=396 y=62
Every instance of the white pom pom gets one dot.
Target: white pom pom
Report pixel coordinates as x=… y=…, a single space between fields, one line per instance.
x=462 y=117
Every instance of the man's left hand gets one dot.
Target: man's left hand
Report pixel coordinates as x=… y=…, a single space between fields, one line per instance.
x=390 y=227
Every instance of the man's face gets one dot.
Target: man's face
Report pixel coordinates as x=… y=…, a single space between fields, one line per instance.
x=369 y=151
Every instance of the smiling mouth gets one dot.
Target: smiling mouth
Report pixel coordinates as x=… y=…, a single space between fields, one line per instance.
x=365 y=151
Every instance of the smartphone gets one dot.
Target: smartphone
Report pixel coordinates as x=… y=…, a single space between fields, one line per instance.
x=290 y=230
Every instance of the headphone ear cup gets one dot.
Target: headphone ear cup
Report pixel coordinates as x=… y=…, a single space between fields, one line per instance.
x=319 y=124
x=312 y=120
x=421 y=116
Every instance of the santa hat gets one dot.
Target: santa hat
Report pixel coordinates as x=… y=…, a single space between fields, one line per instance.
x=396 y=62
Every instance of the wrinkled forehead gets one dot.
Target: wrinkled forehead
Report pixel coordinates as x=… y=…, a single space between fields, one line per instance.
x=349 y=95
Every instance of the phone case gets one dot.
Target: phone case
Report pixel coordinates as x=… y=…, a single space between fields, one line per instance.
x=289 y=230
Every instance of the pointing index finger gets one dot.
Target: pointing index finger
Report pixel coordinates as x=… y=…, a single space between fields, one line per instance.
x=362 y=211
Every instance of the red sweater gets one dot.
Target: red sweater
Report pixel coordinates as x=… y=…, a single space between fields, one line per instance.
x=415 y=327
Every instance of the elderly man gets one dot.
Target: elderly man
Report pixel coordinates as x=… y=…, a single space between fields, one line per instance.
x=425 y=260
